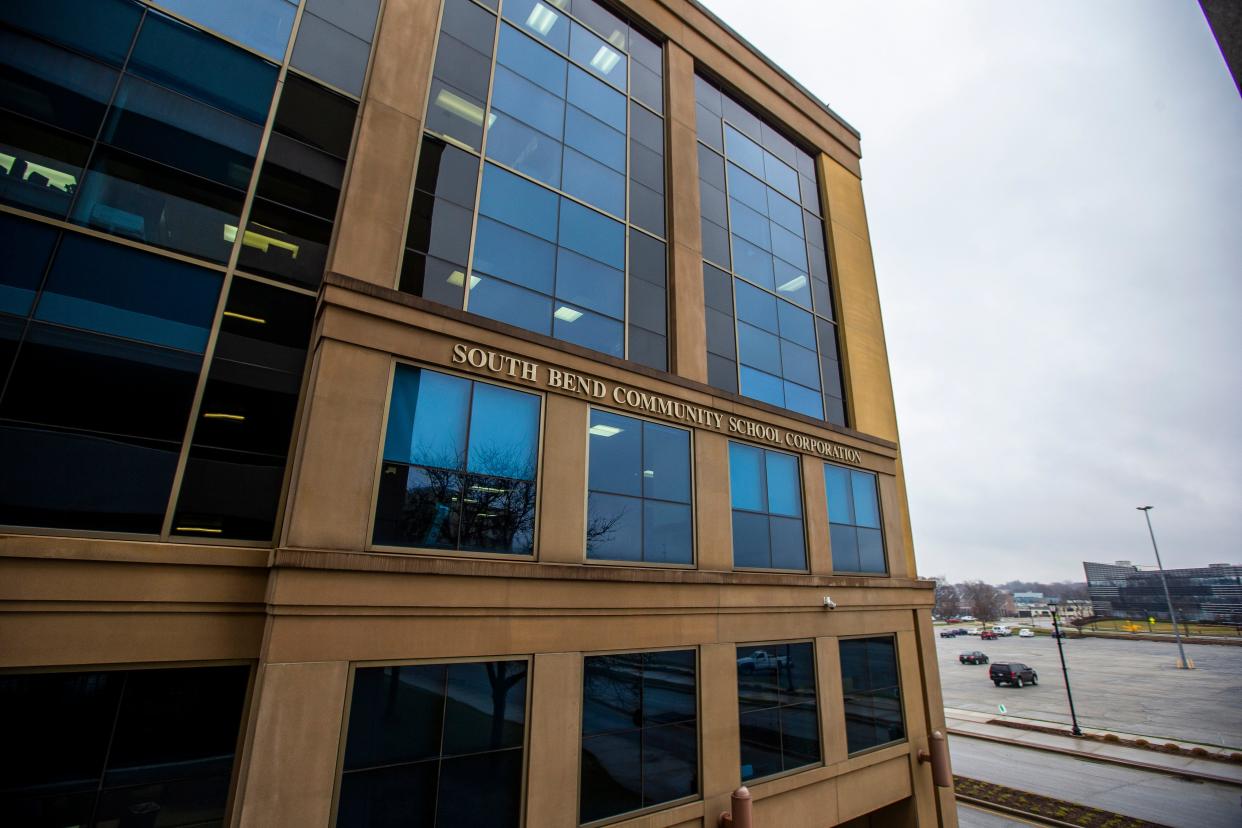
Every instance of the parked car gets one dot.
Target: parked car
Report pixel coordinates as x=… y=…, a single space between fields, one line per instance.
x=761 y=660
x=948 y=633
x=1012 y=673
x=1060 y=634
x=955 y=620
x=1002 y=629
x=972 y=630
x=973 y=657
x=989 y=635
x=1025 y=633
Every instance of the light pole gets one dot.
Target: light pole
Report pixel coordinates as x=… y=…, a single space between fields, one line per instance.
x=1056 y=629
x=1182 y=662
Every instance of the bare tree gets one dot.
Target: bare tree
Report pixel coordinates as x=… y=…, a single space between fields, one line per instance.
x=986 y=602
x=948 y=601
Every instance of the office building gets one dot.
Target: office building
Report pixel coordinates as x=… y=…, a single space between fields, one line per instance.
x=439 y=412
x=1205 y=594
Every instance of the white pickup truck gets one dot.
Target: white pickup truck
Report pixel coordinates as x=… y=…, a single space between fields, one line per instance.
x=761 y=660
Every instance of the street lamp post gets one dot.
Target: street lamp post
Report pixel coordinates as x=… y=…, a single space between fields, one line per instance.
x=1056 y=629
x=1182 y=663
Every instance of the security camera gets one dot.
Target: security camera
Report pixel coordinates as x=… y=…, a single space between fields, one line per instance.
x=829 y=603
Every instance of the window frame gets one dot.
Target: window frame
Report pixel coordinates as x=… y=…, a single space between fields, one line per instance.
x=338 y=779
x=698 y=736
x=894 y=636
x=879 y=511
x=371 y=546
x=819 y=712
x=802 y=517
x=694 y=535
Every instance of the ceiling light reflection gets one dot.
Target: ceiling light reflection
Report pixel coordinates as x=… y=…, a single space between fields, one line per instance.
x=605 y=59
x=541 y=19
x=567 y=314
x=604 y=430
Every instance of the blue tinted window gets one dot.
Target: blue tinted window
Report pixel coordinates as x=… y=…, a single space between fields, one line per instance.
x=597 y=56
x=527 y=150
x=102 y=28
x=756 y=307
x=517 y=202
x=803 y=400
x=650 y=465
x=590 y=284
x=504 y=302
x=752 y=262
x=594 y=183
x=784 y=486
x=263 y=25
x=597 y=98
x=528 y=102
x=758 y=348
x=747 y=189
x=117 y=290
x=854 y=518
x=595 y=138
x=746 y=484
x=743 y=150
x=869 y=679
x=761 y=386
x=542 y=20
x=796 y=325
x=799 y=364
x=767 y=507
x=331 y=53
x=791 y=283
x=750 y=225
x=588 y=329
x=531 y=61
x=785 y=212
x=788 y=246
x=427 y=419
x=519 y=257
x=780 y=175
x=203 y=67
x=592 y=234
x=53 y=85
x=504 y=432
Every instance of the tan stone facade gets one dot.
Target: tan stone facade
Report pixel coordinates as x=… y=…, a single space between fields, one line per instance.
x=324 y=600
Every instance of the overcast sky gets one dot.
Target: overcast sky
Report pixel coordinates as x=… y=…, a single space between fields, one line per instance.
x=1054 y=192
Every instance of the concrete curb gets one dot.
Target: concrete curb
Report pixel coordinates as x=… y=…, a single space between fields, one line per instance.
x=1097 y=757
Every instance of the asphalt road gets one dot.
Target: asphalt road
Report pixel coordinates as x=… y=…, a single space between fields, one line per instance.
x=1125 y=686
x=971 y=817
x=1157 y=797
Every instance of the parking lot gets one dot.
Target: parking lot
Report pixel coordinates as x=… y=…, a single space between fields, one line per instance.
x=1125 y=686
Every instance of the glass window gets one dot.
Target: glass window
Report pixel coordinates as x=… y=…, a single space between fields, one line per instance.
x=263 y=25
x=872 y=691
x=576 y=159
x=639 y=732
x=777 y=713
x=27 y=246
x=145 y=741
x=102 y=28
x=459 y=465
x=435 y=745
x=854 y=520
x=754 y=225
x=638 y=505
x=766 y=495
x=331 y=53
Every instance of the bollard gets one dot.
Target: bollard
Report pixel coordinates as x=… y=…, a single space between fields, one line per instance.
x=938 y=756
x=740 y=805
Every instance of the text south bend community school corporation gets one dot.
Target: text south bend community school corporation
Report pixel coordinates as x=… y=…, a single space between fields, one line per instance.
x=659 y=405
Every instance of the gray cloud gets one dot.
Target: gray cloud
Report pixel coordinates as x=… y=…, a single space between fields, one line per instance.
x=1055 y=199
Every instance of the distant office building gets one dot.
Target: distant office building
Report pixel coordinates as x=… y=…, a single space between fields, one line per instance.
x=1021 y=598
x=1206 y=594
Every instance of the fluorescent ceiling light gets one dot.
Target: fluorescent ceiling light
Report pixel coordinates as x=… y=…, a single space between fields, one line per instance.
x=567 y=314
x=459 y=106
x=796 y=283
x=256 y=320
x=488 y=489
x=218 y=416
x=648 y=473
x=457 y=279
x=604 y=430
x=617 y=39
x=563 y=5
x=197 y=529
x=541 y=19
x=605 y=59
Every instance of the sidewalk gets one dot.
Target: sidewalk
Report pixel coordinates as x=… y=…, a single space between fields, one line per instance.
x=968 y=723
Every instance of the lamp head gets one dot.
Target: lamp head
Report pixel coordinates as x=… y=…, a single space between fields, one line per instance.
x=1143 y=508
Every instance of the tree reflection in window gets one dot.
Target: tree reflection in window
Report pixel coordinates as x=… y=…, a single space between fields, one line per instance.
x=459 y=465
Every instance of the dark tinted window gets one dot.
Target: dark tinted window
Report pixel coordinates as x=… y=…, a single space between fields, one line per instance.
x=235 y=471
x=777 y=710
x=872 y=692
x=639 y=731
x=145 y=742
x=435 y=745
x=459 y=465
x=27 y=246
x=638 y=507
x=103 y=29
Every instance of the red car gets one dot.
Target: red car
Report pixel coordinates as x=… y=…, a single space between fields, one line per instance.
x=988 y=635
x=973 y=657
